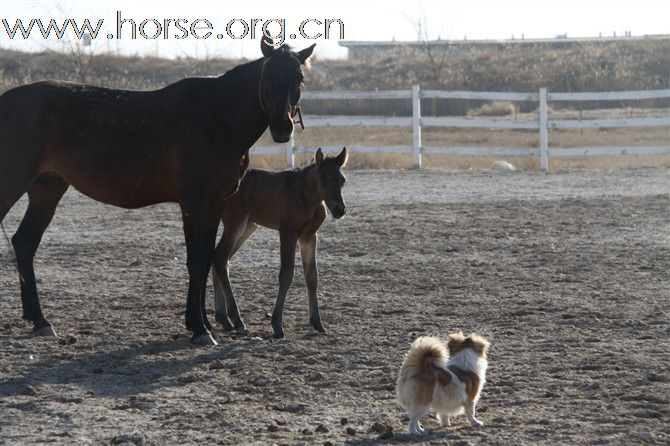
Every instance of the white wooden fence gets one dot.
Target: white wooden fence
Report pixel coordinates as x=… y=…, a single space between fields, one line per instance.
x=416 y=122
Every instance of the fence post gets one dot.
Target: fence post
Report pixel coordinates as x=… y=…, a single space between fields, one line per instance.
x=290 y=158
x=416 y=127
x=544 y=131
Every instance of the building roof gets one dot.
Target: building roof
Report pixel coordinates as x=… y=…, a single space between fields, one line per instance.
x=387 y=43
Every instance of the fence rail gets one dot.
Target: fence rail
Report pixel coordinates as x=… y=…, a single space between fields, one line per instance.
x=416 y=122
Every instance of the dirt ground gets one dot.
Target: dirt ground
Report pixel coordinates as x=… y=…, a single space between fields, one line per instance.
x=566 y=273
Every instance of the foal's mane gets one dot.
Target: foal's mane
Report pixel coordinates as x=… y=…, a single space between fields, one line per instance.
x=307 y=164
x=304 y=166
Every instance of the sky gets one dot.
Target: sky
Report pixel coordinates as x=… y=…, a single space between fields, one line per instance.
x=391 y=19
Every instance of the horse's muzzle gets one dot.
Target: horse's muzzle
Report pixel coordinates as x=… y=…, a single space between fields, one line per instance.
x=338 y=211
x=282 y=129
x=281 y=138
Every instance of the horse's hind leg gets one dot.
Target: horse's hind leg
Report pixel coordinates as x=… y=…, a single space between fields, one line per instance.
x=43 y=197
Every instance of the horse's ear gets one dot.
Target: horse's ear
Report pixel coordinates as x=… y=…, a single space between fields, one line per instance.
x=319 y=157
x=267 y=46
x=342 y=157
x=303 y=55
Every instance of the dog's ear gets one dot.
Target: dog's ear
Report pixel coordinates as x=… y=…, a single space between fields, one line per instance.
x=455 y=342
x=479 y=344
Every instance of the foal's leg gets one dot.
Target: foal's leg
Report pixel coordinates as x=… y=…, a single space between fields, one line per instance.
x=200 y=225
x=43 y=197
x=227 y=312
x=221 y=313
x=288 y=241
x=231 y=304
x=308 y=255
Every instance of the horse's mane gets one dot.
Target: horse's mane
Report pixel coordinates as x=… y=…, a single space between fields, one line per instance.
x=285 y=48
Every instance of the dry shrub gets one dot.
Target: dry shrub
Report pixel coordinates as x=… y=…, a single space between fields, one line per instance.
x=495 y=108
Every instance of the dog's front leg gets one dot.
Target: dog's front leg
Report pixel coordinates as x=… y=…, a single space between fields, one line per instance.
x=470 y=414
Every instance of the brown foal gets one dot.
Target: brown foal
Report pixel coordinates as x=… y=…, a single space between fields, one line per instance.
x=291 y=202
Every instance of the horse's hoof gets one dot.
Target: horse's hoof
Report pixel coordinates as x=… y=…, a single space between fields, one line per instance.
x=204 y=339
x=47 y=331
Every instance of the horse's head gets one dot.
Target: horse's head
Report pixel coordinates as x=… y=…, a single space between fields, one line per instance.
x=280 y=84
x=330 y=181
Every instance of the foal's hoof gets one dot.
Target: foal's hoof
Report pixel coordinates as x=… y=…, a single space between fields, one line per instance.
x=318 y=326
x=242 y=330
x=225 y=323
x=47 y=331
x=203 y=339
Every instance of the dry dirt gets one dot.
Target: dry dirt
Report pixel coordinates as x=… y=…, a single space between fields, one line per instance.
x=566 y=273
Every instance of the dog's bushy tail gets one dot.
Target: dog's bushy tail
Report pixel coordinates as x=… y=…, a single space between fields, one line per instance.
x=418 y=369
x=425 y=352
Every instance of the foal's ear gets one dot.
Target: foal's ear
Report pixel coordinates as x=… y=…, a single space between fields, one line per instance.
x=319 y=157
x=267 y=46
x=342 y=157
x=303 y=55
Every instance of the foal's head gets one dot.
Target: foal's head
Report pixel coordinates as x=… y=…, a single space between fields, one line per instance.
x=280 y=85
x=330 y=181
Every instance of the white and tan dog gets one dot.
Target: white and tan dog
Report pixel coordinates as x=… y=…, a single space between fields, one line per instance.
x=447 y=382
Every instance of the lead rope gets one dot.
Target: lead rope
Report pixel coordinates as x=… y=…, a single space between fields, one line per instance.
x=260 y=90
x=302 y=125
x=11 y=249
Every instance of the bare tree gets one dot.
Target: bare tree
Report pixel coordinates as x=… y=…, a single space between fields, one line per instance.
x=79 y=51
x=81 y=56
x=434 y=53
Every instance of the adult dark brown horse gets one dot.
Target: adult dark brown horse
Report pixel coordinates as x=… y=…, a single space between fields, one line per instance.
x=291 y=202
x=185 y=143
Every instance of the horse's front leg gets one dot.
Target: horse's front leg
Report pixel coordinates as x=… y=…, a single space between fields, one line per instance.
x=308 y=256
x=287 y=241
x=200 y=233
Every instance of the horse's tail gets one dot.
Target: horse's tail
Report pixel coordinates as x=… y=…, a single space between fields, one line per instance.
x=11 y=249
